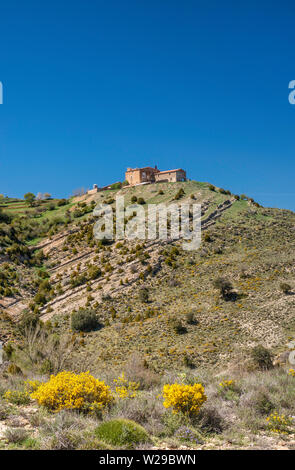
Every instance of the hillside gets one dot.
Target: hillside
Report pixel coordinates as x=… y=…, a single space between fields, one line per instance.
x=249 y=245
x=155 y=303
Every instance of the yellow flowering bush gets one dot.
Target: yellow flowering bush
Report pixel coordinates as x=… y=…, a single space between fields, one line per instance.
x=32 y=385
x=17 y=397
x=68 y=390
x=124 y=388
x=279 y=424
x=291 y=372
x=182 y=398
x=227 y=385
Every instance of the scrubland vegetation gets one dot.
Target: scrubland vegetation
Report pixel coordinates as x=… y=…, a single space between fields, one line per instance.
x=141 y=409
x=158 y=347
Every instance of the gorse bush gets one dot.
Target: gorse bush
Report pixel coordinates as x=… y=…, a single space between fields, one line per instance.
x=186 y=399
x=17 y=397
x=227 y=385
x=280 y=424
x=229 y=390
x=68 y=390
x=32 y=385
x=125 y=388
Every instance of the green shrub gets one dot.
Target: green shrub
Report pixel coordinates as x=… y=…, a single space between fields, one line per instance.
x=13 y=369
x=62 y=202
x=207 y=237
x=94 y=272
x=16 y=435
x=28 y=321
x=190 y=318
x=144 y=295
x=141 y=200
x=262 y=357
x=17 y=397
x=134 y=199
x=77 y=213
x=189 y=435
x=40 y=298
x=224 y=286
x=286 y=288
x=211 y=187
x=188 y=361
x=84 y=320
x=78 y=280
x=122 y=433
x=263 y=405
x=177 y=325
x=8 y=349
x=5 y=410
x=179 y=194
x=116 y=185
x=4 y=217
x=209 y=420
x=172 y=422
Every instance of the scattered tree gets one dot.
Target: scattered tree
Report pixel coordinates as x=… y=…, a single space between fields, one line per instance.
x=30 y=198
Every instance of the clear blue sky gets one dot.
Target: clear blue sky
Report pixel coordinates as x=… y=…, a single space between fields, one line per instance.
x=94 y=86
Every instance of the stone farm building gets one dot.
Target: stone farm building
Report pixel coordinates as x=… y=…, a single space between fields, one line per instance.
x=149 y=174
x=146 y=175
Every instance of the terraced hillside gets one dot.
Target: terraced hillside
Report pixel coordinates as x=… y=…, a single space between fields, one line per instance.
x=182 y=320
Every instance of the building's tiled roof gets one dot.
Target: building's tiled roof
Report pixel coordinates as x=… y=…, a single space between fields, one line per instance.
x=143 y=168
x=171 y=171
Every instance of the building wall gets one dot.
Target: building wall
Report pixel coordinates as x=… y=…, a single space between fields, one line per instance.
x=92 y=191
x=148 y=174
x=133 y=176
x=140 y=175
x=171 y=176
